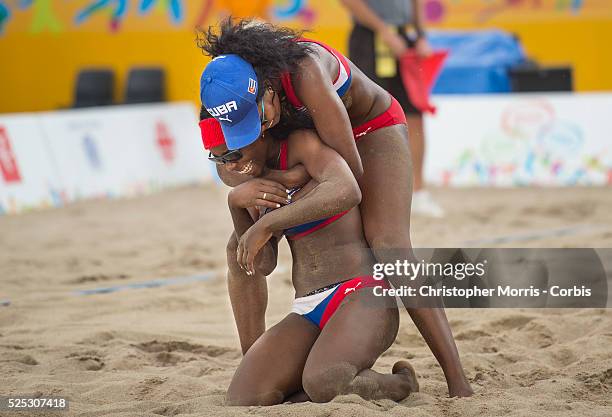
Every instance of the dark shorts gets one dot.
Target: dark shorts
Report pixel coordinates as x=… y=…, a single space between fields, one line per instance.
x=362 y=54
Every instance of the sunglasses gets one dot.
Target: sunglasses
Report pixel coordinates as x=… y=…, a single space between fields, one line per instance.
x=229 y=156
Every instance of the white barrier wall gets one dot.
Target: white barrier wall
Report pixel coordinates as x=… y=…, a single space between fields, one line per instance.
x=51 y=158
x=28 y=176
x=520 y=139
x=48 y=159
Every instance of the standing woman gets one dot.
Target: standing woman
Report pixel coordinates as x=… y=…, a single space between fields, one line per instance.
x=301 y=84
x=377 y=41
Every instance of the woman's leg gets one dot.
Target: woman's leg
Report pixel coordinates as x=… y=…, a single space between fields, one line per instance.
x=417 y=147
x=248 y=296
x=349 y=344
x=385 y=209
x=422 y=202
x=272 y=368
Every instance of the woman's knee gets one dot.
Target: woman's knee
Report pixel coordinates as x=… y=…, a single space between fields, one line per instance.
x=250 y=386
x=323 y=383
x=253 y=396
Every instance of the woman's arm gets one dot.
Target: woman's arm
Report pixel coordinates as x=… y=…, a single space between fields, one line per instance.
x=418 y=11
x=265 y=263
x=245 y=196
x=248 y=294
x=314 y=88
x=365 y=16
x=294 y=177
x=248 y=297
x=337 y=191
x=422 y=46
x=231 y=178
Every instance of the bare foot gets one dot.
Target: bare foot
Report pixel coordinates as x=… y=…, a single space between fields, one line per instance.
x=404 y=368
x=461 y=390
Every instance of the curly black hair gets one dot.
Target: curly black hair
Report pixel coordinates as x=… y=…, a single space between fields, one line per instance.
x=271 y=50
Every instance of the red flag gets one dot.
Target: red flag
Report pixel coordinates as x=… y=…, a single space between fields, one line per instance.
x=419 y=75
x=8 y=161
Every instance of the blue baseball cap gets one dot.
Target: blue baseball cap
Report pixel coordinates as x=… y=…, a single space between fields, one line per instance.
x=228 y=90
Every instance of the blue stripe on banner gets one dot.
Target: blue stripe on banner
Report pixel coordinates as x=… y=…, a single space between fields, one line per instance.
x=154 y=283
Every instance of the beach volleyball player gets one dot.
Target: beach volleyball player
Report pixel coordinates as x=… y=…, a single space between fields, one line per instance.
x=308 y=85
x=328 y=343
x=377 y=42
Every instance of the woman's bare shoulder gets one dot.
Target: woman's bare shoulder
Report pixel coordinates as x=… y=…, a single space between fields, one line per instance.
x=303 y=139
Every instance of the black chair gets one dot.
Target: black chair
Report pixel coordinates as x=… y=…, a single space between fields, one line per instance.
x=94 y=87
x=145 y=85
x=530 y=78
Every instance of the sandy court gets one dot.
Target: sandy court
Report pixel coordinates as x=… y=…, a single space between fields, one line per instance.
x=172 y=350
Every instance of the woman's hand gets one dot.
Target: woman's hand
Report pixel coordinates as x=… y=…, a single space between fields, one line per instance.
x=394 y=41
x=250 y=244
x=294 y=177
x=422 y=47
x=258 y=192
x=304 y=190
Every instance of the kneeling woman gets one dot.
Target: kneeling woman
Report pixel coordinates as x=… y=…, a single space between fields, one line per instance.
x=337 y=329
x=311 y=85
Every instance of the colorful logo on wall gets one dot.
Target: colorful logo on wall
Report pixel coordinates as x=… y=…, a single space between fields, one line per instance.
x=43 y=16
x=47 y=16
x=4 y=15
x=481 y=11
x=165 y=142
x=116 y=8
x=295 y=9
x=279 y=10
x=532 y=146
x=8 y=161
x=174 y=7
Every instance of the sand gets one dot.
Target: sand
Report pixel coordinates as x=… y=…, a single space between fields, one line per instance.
x=172 y=350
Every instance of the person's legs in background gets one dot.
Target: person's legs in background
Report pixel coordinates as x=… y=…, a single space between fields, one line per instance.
x=422 y=202
x=362 y=53
x=416 y=133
